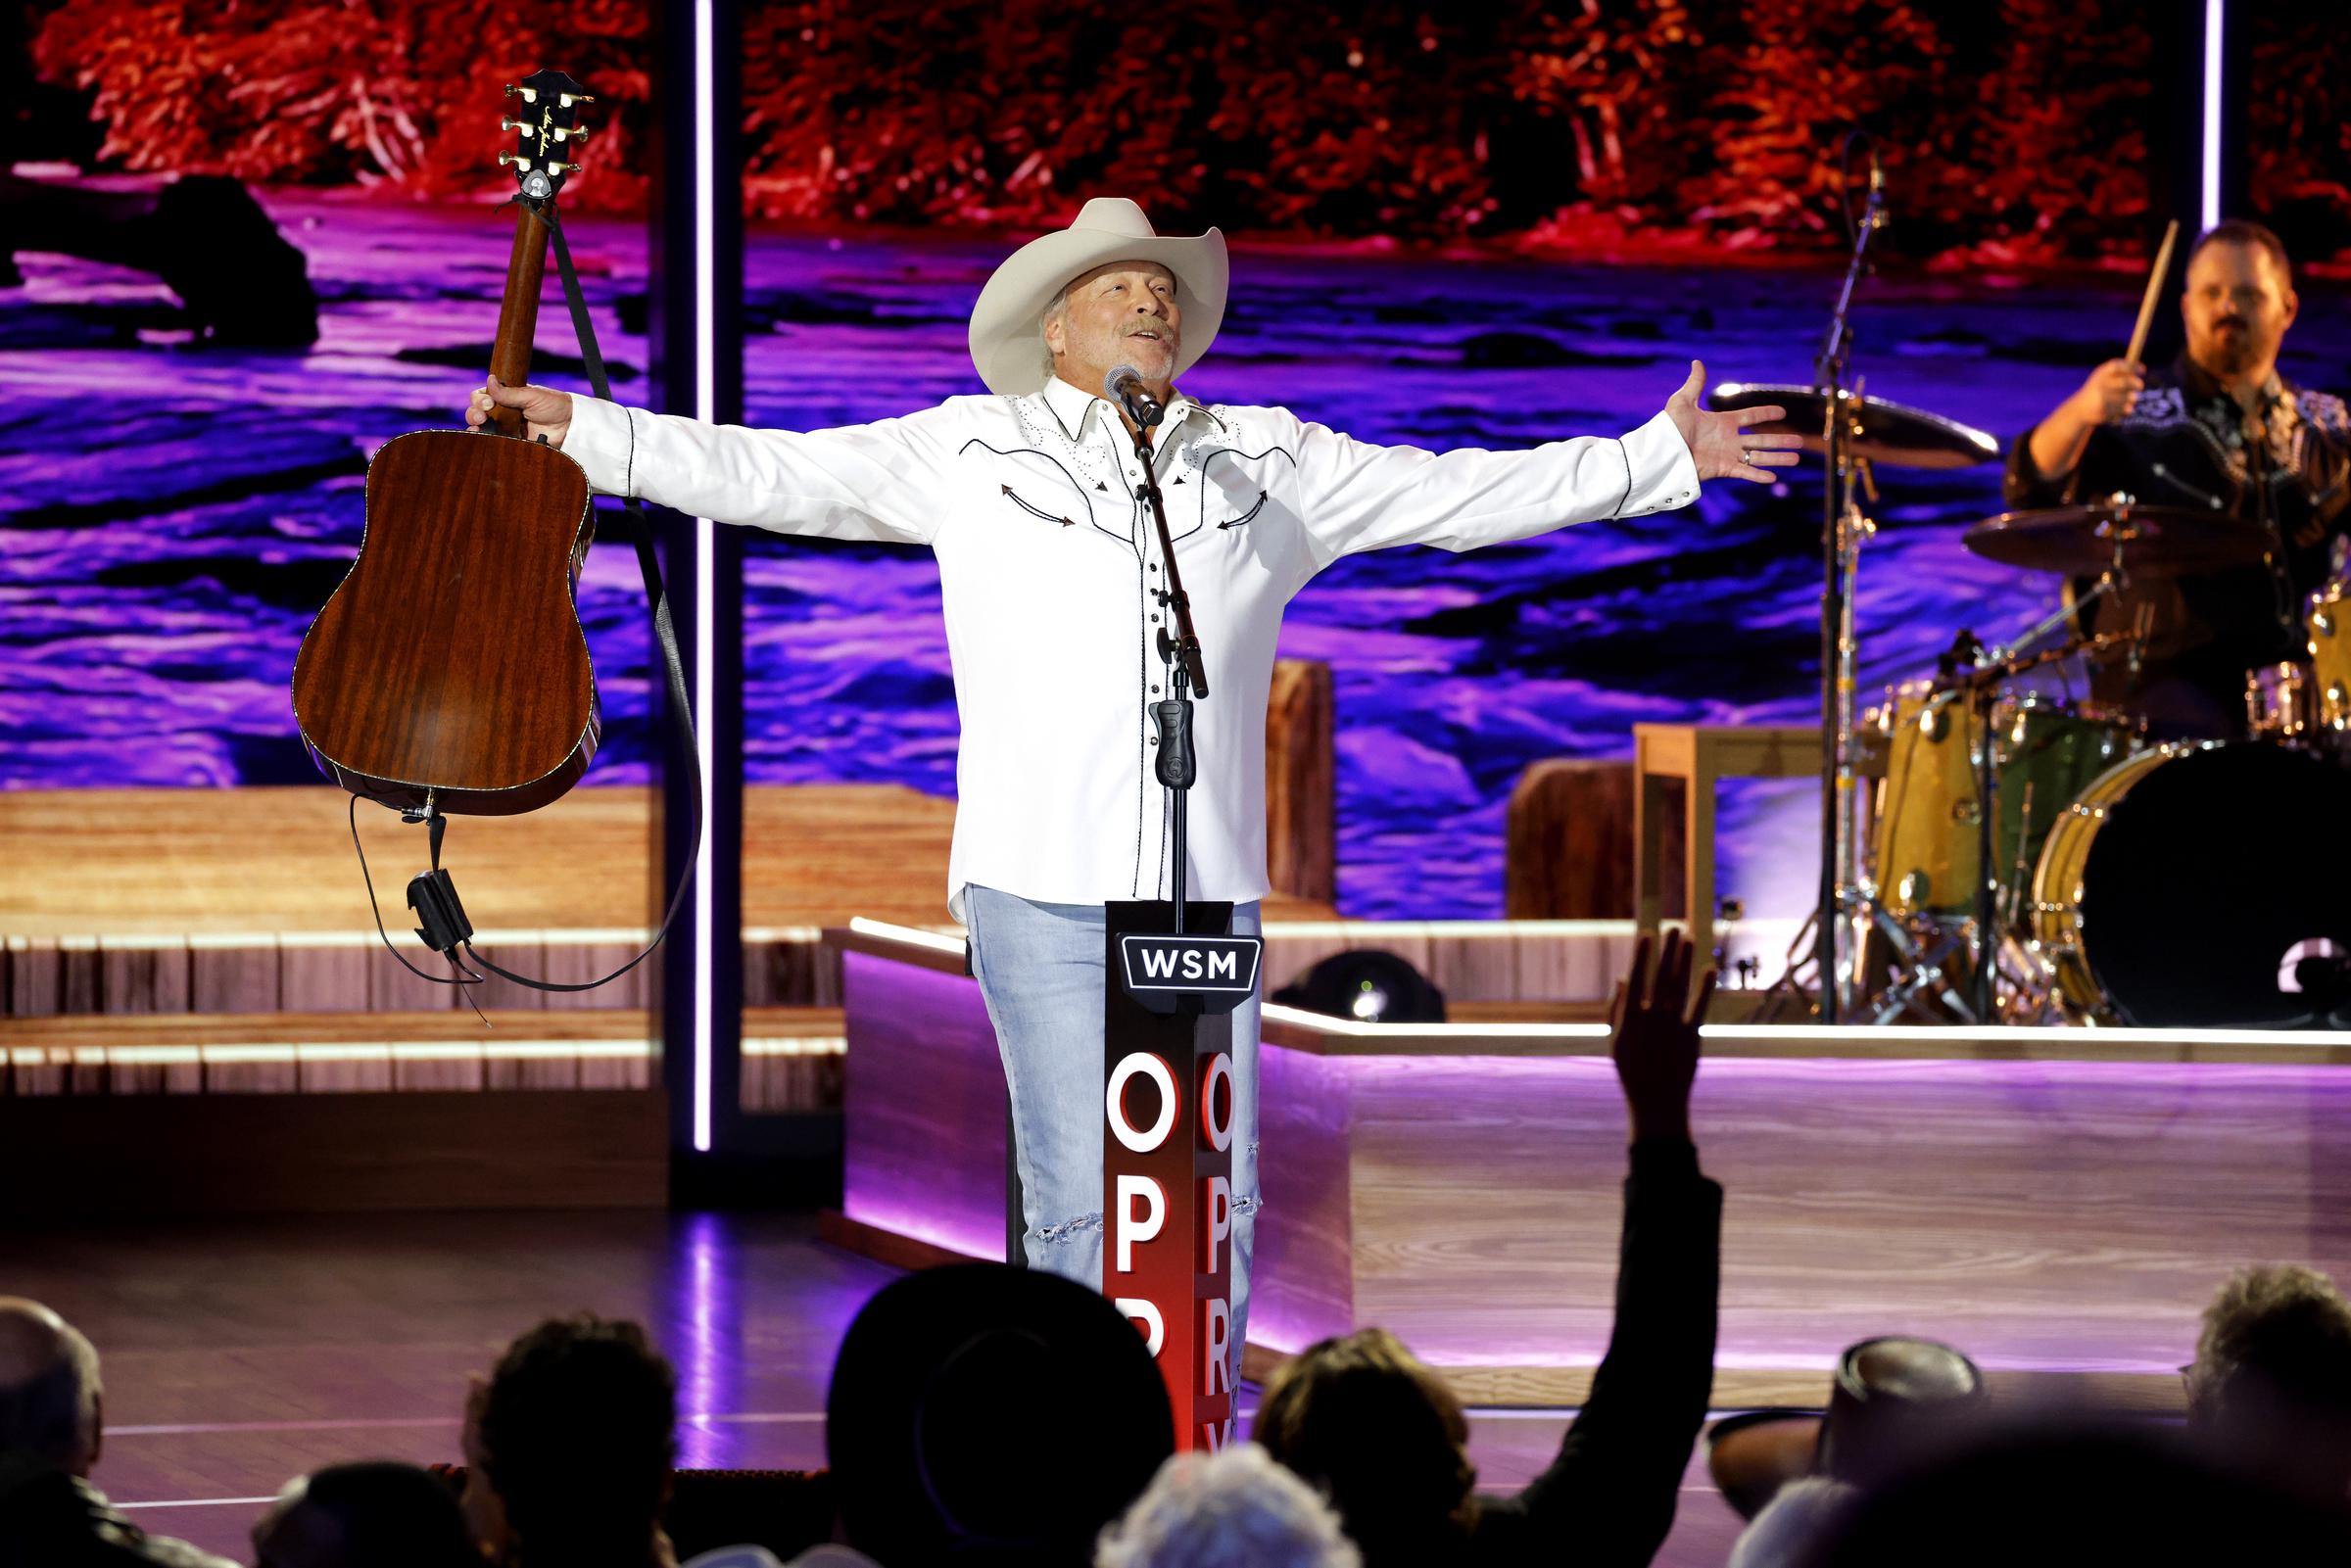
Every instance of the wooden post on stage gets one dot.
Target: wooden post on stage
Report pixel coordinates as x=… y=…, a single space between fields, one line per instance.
x=1167 y=1147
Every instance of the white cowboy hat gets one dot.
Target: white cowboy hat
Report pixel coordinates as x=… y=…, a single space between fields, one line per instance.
x=1007 y=324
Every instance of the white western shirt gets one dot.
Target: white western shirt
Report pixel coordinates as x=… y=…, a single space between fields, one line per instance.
x=1050 y=567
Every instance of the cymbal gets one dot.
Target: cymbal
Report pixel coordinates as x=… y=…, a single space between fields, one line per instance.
x=1890 y=434
x=2143 y=541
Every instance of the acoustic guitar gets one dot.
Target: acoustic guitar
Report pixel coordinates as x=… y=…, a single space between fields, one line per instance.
x=449 y=671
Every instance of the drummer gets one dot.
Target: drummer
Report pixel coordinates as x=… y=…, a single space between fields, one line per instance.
x=2220 y=428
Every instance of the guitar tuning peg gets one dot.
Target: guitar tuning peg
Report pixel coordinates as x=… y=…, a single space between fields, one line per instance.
x=563 y=168
x=566 y=100
x=571 y=133
x=518 y=159
x=512 y=125
x=513 y=90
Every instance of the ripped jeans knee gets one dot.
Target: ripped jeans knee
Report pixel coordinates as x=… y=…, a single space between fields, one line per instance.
x=1068 y=1230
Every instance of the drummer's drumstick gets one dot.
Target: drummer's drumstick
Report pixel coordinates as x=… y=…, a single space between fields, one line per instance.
x=2146 y=306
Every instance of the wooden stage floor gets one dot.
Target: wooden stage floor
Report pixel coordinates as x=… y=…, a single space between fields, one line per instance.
x=238 y=1354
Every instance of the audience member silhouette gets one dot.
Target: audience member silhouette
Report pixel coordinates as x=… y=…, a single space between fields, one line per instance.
x=1235 y=1510
x=1362 y=1419
x=2060 y=1498
x=568 y=1448
x=52 y=1429
x=986 y=1415
x=2270 y=1385
x=364 y=1516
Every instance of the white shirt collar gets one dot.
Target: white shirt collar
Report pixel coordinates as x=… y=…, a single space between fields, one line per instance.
x=1074 y=405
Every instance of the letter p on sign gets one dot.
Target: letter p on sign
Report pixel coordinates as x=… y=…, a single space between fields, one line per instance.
x=1131 y=1229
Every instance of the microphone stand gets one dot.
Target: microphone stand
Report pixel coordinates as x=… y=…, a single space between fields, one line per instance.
x=1187 y=673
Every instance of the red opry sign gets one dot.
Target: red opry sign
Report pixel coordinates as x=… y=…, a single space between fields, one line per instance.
x=1166 y=1166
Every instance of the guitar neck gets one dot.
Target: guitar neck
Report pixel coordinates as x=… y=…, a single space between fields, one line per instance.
x=518 y=314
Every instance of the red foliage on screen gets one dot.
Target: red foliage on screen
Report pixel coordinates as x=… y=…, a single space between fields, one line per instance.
x=399 y=93
x=2011 y=132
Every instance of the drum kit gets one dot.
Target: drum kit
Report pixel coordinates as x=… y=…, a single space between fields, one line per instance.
x=2013 y=856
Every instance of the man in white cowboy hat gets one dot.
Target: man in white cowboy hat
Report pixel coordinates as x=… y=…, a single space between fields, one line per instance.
x=1048 y=564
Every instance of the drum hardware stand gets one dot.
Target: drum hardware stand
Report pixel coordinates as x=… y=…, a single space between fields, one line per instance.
x=1840 y=544
x=1923 y=972
x=2021 y=884
x=1982 y=683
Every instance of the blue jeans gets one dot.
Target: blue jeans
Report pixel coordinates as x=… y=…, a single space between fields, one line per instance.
x=1040 y=970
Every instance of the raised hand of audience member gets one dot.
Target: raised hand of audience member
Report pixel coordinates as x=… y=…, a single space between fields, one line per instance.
x=1654 y=1021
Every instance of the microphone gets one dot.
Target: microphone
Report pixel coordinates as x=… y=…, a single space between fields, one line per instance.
x=1877 y=189
x=1125 y=387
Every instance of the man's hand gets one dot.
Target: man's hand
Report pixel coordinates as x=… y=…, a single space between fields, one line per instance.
x=2111 y=392
x=1654 y=1021
x=1719 y=442
x=544 y=411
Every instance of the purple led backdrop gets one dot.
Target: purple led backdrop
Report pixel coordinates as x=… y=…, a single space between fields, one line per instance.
x=171 y=517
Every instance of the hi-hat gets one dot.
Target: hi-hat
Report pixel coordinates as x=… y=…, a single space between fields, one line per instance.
x=1890 y=434
x=2117 y=534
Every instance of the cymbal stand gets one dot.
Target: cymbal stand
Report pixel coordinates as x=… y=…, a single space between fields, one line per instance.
x=1840 y=541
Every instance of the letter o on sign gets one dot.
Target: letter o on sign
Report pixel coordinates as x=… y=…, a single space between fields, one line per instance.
x=1214 y=1104
x=1113 y=1102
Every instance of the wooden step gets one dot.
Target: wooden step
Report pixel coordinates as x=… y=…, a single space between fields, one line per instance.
x=791 y=1056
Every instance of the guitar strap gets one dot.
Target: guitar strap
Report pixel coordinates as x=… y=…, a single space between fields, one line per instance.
x=688 y=756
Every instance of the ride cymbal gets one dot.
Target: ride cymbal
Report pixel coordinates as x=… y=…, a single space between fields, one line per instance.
x=1889 y=434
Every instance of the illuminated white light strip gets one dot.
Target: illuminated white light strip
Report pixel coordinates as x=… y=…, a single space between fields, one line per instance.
x=282 y=1053
x=912 y=936
x=705 y=535
x=1355 y=1030
x=1907 y=1034
x=2212 y=111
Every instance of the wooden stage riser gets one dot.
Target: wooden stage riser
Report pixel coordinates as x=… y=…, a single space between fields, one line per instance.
x=2066 y=1220
x=45 y=977
x=791 y=1057
x=770 y=1084
x=2043 y=1215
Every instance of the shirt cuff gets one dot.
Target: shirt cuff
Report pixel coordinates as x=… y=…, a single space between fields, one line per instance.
x=1658 y=471
x=602 y=441
x=1661 y=1158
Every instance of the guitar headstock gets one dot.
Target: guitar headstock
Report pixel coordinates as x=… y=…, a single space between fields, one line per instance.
x=545 y=128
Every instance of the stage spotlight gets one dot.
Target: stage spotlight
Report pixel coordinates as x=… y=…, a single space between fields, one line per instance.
x=1365 y=985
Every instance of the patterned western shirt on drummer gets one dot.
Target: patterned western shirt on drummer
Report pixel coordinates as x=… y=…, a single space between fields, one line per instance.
x=1049 y=568
x=2188 y=443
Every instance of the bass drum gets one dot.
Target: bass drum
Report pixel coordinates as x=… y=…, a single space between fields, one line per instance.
x=2173 y=892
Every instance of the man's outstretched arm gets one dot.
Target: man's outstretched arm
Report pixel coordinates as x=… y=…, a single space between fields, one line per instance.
x=1357 y=495
x=864 y=482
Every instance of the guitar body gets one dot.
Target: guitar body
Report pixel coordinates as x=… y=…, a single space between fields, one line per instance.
x=449 y=671
x=450 y=660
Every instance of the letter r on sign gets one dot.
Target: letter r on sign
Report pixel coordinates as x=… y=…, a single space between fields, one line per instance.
x=1155 y=1328
x=1216 y=1371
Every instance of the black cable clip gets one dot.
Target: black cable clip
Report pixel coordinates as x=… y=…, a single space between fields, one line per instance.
x=434 y=898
